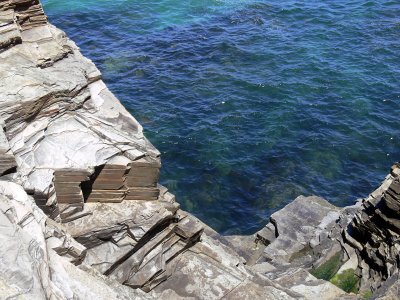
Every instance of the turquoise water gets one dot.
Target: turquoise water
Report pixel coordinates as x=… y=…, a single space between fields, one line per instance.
x=252 y=103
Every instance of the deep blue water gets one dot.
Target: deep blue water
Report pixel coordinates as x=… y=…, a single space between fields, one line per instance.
x=252 y=103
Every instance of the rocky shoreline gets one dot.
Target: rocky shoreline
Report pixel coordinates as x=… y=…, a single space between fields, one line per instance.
x=83 y=217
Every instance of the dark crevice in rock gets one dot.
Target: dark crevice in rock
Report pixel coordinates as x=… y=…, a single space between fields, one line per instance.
x=156 y=229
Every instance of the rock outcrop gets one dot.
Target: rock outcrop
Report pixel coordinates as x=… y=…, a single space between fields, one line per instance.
x=375 y=234
x=355 y=248
x=83 y=216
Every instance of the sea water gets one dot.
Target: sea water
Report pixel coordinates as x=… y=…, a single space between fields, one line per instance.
x=252 y=103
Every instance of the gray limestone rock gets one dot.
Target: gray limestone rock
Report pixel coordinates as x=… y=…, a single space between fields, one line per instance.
x=374 y=234
x=296 y=229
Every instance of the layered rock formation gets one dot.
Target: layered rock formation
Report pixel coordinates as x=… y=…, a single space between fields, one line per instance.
x=375 y=234
x=83 y=216
x=356 y=247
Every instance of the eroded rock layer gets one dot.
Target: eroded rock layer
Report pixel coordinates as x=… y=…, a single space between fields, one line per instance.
x=356 y=247
x=375 y=232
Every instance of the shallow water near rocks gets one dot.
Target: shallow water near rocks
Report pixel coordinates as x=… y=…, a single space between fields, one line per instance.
x=252 y=103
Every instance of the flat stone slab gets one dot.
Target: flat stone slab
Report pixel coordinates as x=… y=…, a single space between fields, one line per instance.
x=295 y=227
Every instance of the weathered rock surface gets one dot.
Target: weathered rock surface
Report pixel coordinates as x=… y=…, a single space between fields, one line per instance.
x=31 y=265
x=374 y=233
x=357 y=244
x=296 y=228
x=83 y=217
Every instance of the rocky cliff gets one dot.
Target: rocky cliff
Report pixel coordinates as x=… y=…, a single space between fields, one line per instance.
x=83 y=217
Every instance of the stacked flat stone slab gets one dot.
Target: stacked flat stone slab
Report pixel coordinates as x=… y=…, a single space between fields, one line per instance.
x=165 y=195
x=68 y=192
x=24 y=22
x=375 y=232
x=109 y=181
x=28 y=13
x=67 y=185
x=148 y=268
x=122 y=179
x=142 y=180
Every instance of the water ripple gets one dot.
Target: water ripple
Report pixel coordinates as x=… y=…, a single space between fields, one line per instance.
x=252 y=102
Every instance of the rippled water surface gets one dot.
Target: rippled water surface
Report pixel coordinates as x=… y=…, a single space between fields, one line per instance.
x=252 y=103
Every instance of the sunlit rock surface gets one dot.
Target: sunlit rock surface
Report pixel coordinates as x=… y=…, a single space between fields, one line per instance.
x=83 y=216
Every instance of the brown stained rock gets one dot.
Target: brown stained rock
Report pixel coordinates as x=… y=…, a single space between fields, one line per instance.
x=67 y=186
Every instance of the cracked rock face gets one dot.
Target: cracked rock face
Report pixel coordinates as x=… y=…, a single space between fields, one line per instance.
x=374 y=233
x=59 y=118
x=31 y=265
x=310 y=236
